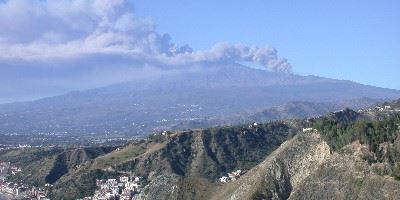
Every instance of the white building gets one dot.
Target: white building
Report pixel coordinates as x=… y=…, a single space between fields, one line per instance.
x=124 y=179
x=223 y=179
x=308 y=130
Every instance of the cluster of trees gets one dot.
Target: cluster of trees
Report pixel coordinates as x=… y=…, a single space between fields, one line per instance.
x=381 y=136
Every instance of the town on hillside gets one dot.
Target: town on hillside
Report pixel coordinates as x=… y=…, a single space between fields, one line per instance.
x=19 y=190
x=121 y=188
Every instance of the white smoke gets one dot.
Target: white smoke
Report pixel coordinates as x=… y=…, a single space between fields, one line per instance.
x=265 y=56
x=53 y=46
x=51 y=29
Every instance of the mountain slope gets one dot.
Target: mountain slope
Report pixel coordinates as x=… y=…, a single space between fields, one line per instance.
x=140 y=107
x=48 y=165
x=282 y=171
x=304 y=168
x=193 y=160
x=346 y=175
x=299 y=110
x=351 y=155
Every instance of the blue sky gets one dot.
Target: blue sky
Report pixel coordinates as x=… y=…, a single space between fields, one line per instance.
x=49 y=47
x=345 y=39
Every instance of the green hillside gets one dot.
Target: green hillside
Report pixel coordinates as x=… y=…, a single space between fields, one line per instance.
x=280 y=160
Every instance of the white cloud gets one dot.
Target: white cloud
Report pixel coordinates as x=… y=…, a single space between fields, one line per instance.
x=51 y=29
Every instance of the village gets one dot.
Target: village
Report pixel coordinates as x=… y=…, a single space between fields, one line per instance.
x=387 y=108
x=19 y=190
x=122 y=188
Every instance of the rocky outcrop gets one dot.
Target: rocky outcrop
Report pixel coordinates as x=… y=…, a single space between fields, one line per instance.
x=346 y=175
x=161 y=187
x=282 y=171
x=305 y=168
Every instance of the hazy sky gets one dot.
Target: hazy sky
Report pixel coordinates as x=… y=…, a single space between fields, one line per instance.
x=50 y=47
x=345 y=39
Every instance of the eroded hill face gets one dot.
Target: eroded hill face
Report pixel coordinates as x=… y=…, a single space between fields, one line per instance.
x=297 y=170
x=346 y=175
x=283 y=171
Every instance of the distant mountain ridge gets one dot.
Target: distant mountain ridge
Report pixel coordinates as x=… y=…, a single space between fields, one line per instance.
x=291 y=110
x=143 y=106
